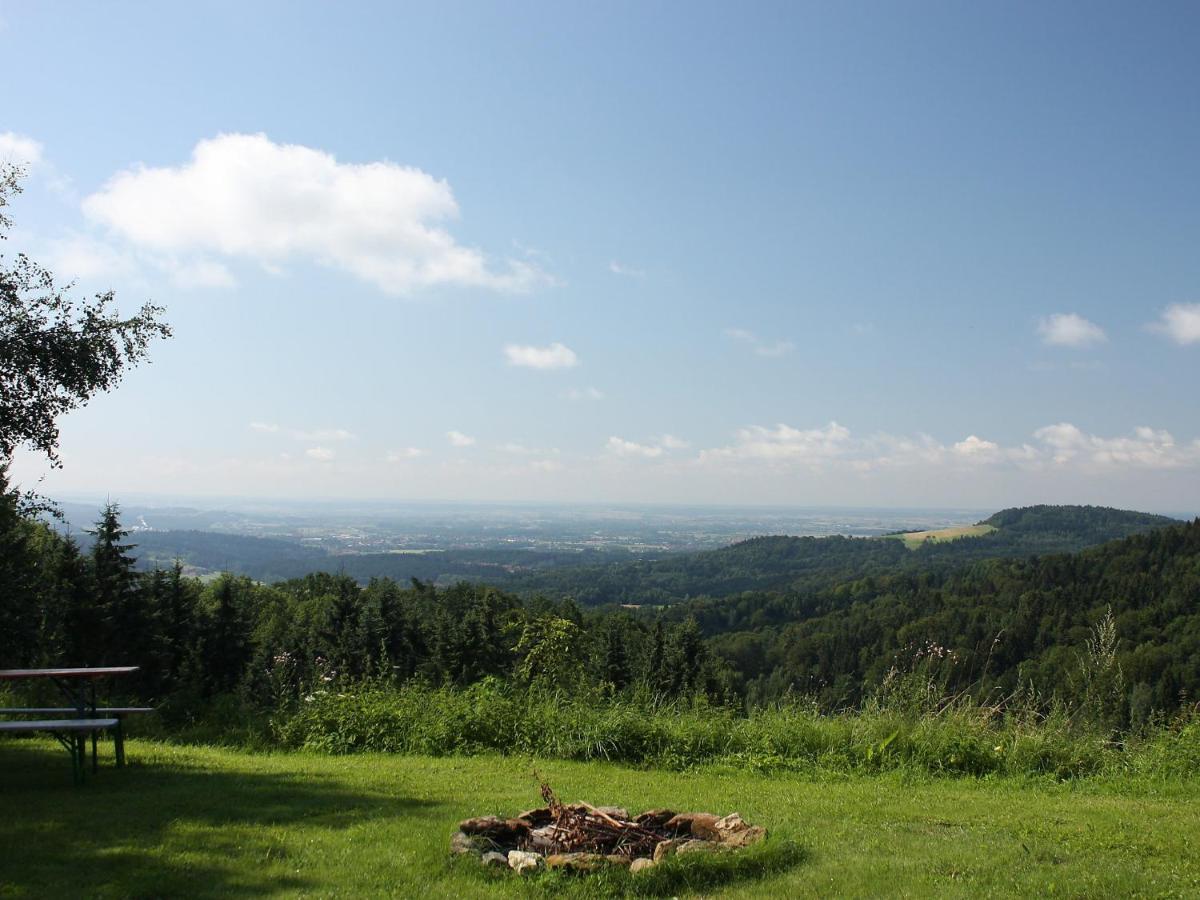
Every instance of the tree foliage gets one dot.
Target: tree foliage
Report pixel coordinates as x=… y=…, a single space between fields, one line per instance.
x=56 y=352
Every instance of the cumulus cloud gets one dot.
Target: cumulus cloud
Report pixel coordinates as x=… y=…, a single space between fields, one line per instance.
x=1070 y=330
x=320 y=454
x=404 y=454
x=1145 y=447
x=245 y=197
x=555 y=356
x=833 y=446
x=589 y=393
x=622 y=447
x=785 y=442
x=758 y=345
x=458 y=439
x=653 y=450
x=19 y=149
x=1181 y=323
x=973 y=446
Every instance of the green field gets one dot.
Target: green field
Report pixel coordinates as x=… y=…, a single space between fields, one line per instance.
x=914 y=539
x=209 y=822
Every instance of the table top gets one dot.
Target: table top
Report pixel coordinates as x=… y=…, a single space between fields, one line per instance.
x=91 y=672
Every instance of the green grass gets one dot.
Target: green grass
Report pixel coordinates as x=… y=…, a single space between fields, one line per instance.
x=914 y=539
x=199 y=821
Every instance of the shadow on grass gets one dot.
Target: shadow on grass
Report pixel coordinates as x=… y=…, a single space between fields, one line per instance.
x=674 y=877
x=165 y=829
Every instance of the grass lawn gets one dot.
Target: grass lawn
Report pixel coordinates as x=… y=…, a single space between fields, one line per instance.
x=914 y=539
x=187 y=821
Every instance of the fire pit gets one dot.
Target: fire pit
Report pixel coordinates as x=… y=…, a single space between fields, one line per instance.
x=584 y=838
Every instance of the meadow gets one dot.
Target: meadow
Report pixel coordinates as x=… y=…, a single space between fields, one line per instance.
x=205 y=821
x=914 y=539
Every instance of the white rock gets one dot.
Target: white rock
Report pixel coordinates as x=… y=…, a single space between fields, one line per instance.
x=522 y=861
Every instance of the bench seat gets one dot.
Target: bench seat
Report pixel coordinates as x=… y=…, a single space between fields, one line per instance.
x=83 y=725
x=72 y=711
x=72 y=734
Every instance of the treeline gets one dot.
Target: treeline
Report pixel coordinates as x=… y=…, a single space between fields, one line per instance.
x=987 y=630
x=268 y=644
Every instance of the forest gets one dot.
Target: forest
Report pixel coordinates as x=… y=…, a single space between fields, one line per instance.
x=841 y=617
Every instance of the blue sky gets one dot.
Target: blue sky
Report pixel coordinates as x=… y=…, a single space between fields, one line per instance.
x=927 y=254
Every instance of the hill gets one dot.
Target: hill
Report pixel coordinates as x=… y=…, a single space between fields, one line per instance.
x=780 y=563
x=992 y=624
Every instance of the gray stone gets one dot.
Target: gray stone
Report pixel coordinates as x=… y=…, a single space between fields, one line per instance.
x=663 y=849
x=495 y=860
x=522 y=861
x=751 y=834
x=462 y=843
x=641 y=864
x=698 y=846
x=614 y=812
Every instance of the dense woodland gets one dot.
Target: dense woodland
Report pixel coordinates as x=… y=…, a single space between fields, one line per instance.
x=850 y=615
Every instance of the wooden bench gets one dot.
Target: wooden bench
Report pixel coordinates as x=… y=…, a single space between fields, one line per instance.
x=72 y=734
x=120 y=712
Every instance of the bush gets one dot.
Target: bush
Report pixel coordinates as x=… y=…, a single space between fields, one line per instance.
x=959 y=739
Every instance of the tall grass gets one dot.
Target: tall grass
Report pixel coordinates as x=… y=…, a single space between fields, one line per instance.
x=951 y=737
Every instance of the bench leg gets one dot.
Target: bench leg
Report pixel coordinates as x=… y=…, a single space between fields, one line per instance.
x=95 y=767
x=79 y=757
x=119 y=739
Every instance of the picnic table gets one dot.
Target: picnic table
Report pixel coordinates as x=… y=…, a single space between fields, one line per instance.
x=75 y=722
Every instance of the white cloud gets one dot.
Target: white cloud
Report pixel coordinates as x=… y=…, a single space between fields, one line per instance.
x=1070 y=330
x=19 y=149
x=833 y=447
x=1181 y=323
x=622 y=447
x=458 y=439
x=590 y=393
x=320 y=454
x=404 y=454
x=660 y=447
x=972 y=446
x=264 y=427
x=1145 y=448
x=242 y=196
x=555 y=356
x=759 y=346
x=629 y=271
x=785 y=442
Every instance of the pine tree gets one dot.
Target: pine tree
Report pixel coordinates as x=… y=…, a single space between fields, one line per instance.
x=18 y=600
x=127 y=629
x=225 y=644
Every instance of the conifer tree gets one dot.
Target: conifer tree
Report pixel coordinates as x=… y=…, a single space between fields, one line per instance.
x=126 y=627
